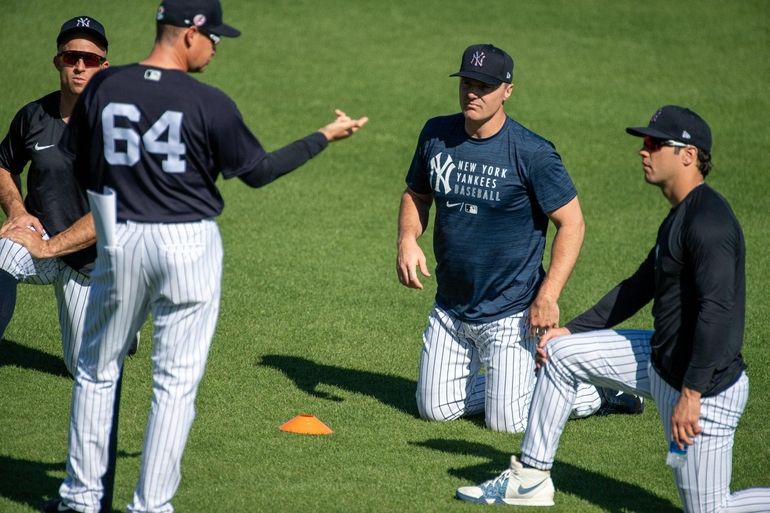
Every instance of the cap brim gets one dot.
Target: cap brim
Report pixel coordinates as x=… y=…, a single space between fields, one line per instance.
x=644 y=131
x=224 y=30
x=481 y=77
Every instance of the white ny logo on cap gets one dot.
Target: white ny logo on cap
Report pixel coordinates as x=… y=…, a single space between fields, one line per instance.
x=478 y=59
x=84 y=22
x=685 y=134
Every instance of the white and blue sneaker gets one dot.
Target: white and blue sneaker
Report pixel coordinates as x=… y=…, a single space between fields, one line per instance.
x=517 y=486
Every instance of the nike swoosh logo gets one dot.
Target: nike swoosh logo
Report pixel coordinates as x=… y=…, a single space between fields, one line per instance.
x=450 y=205
x=530 y=489
x=62 y=507
x=38 y=148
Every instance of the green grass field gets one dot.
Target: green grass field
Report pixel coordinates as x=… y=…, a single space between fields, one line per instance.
x=313 y=318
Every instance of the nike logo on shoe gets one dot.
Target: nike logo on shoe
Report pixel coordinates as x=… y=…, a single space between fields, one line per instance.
x=526 y=490
x=38 y=148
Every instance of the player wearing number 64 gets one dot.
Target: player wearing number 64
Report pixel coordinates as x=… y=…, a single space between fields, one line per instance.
x=159 y=139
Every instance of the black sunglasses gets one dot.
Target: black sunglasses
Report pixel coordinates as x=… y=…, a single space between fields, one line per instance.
x=71 y=58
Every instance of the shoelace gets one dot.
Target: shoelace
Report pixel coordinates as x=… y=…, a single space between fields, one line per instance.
x=496 y=487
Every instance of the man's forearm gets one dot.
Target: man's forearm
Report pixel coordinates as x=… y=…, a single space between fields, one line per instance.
x=10 y=198
x=80 y=235
x=413 y=215
x=564 y=254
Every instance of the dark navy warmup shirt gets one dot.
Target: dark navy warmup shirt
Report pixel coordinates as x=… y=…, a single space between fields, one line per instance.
x=695 y=276
x=491 y=197
x=159 y=138
x=53 y=194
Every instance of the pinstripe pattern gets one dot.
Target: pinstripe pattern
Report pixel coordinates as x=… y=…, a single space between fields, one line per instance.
x=16 y=261
x=614 y=359
x=71 y=289
x=172 y=271
x=588 y=400
x=621 y=360
x=704 y=480
x=450 y=383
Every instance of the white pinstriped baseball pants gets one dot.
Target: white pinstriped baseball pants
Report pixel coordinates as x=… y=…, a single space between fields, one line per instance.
x=704 y=481
x=620 y=359
x=172 y=271
x=71 y=289
x=450 y=384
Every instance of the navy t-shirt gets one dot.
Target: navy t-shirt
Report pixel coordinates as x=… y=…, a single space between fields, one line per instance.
x=492 y=196
x=53 y=194
x=159 y=138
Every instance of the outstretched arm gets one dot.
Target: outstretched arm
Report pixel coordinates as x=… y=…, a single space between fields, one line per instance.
x=285 y=160
x=342 y=127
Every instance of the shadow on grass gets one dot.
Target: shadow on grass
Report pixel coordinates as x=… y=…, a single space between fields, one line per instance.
x=14 y=354
x=31 y=483
x=308 y=375
x=28 y=482
x=601 y=490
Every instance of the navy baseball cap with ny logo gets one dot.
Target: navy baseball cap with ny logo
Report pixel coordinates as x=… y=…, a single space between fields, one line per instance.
x=678 y=124
x=82 y=25
x=487 y=64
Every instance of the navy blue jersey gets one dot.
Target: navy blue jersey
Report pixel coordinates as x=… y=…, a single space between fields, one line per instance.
x=159 y=138
x=492 y=196
x=53 y=194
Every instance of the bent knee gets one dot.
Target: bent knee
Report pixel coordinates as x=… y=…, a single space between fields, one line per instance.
x=585 y=409
x=516 y=426
x=567 y=352
x=435 y=415
x=509 y=418
x=440 y=412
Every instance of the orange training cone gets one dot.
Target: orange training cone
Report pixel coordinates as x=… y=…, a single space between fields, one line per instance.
x=306 y=424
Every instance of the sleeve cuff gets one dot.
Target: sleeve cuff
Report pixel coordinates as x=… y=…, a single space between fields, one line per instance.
x=698 y=379
x=317 y=142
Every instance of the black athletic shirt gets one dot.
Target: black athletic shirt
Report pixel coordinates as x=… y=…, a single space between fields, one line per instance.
x=53 y=194
x=160 y=138
x=695 y=275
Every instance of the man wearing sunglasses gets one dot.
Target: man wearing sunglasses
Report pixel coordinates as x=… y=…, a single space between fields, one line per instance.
x=54 y=202
x=691 y=365
x=152 y=141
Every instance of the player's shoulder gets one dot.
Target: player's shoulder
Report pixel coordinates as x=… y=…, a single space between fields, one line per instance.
x=120 y=76
x=526 y=139
x=709 y=213
x=46 y=106
x=109 y=73
x=131 y=75
x=705 y=200
x=442 y=125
